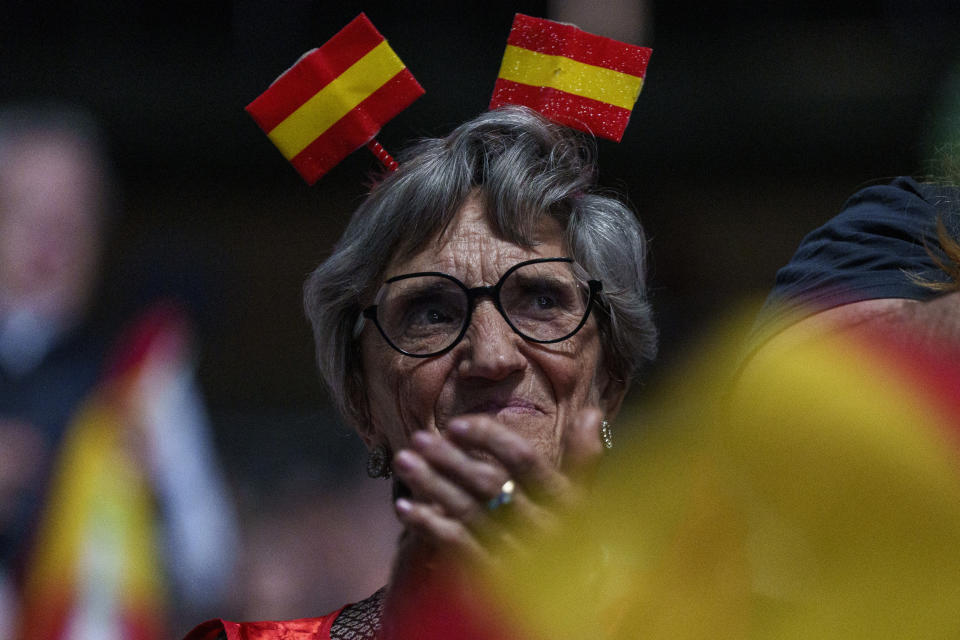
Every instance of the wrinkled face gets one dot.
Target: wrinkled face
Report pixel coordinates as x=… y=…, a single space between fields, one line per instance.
x=534 y=388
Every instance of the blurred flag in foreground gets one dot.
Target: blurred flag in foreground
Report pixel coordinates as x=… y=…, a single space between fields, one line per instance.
x=572 y=77
x=335 y=99
x=815 y=495
x=96 y=569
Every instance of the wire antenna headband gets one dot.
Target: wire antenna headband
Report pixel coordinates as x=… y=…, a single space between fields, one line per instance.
x=335 y=99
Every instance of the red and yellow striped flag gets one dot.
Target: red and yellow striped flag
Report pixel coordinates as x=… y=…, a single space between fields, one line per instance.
x=96 y=569
x=335 y=99
x=816 y=495
x=575 y=78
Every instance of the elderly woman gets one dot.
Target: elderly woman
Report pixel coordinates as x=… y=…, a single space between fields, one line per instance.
x=478 y=324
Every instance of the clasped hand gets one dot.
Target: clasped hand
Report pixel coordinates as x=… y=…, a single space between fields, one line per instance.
x=452 y=478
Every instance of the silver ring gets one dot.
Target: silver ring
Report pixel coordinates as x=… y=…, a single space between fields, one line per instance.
x=504 y=497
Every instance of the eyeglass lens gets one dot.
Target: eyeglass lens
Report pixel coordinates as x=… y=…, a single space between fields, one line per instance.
x=424 y=314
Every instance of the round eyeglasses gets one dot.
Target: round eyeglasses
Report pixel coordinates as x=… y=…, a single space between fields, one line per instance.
x=426 y=314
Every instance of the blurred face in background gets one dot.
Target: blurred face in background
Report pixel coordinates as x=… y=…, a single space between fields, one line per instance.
x=50 y=223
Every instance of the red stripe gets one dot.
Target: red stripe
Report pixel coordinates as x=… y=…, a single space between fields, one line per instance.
x=555 y=39
x=315 y=70
x=935 y=372
x=357 y=127
x=141 y=622
x=162 y=325
x=45 y=611
x=592 y=116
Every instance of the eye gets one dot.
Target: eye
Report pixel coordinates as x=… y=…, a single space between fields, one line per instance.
x=421 y=313
x=430 y=315
x=432 y=310
x=544 y=301
x=535 y=299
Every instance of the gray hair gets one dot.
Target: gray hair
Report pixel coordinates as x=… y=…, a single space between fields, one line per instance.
x=523 y=167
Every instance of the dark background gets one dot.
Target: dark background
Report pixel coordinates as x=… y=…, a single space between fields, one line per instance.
x=756 y=121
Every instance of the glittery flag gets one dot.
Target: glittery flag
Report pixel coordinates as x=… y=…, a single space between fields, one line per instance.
x=578 y=79
x=335 y=99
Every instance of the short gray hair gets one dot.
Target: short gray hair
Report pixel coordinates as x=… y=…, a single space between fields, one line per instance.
x=523 y=167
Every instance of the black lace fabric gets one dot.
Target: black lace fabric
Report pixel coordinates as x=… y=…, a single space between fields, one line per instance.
x=361 y=620
x=358 y=621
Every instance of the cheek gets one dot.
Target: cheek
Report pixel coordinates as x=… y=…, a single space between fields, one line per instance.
x=576 y=376
x=379 y=392
x=401 y=392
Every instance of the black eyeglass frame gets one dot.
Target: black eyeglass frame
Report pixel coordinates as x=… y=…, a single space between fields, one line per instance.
x=594 y=288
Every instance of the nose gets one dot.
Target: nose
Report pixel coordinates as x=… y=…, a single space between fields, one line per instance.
x=491 y=349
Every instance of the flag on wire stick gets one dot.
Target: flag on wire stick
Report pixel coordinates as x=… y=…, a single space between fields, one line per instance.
x=572 y=77
x=335 y=99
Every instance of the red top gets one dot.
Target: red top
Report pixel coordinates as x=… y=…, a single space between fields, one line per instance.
x=302 y=629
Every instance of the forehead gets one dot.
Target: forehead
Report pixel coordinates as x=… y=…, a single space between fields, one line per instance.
x=49 y=175
x=471 y=249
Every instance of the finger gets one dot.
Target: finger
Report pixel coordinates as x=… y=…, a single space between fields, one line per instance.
x=527 y=519
x=448 y=534
x=518 y=456
x=484 y=481
x=427 y=485
x=481 y=478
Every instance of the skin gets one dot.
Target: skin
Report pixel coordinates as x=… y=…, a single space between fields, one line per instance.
x=49 y=226
x=49 y=254
x=935 y=322
x=494 y=407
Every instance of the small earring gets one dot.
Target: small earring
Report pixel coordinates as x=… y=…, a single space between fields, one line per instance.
x=606 y=434
x=378 y=462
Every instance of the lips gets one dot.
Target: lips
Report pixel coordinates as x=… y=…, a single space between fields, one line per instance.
x=511 y=405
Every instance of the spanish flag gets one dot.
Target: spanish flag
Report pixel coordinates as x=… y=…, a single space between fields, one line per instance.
x=817 y=494
x=96 y=569
x=575 y=78
x=335 y=99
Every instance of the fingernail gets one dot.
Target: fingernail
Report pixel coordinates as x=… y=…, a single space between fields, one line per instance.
x=403 y=505
x=459 y=425
x=403 y=460
x=423 y=438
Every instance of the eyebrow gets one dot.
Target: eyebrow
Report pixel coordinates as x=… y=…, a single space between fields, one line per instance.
x=437 y=269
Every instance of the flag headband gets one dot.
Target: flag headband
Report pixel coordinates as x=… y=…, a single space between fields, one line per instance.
x=335 y=99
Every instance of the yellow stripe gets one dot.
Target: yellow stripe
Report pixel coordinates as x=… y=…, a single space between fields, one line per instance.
x=578 y=78
x=97 y=489
x=336 y=100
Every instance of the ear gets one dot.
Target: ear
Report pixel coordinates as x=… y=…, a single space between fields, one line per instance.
x=363 y=425
x=612 y=393
x=366 y=435
x=359 y=410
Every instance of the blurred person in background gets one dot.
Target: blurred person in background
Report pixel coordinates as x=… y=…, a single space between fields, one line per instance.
x=112 y=511
x=888 y=260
